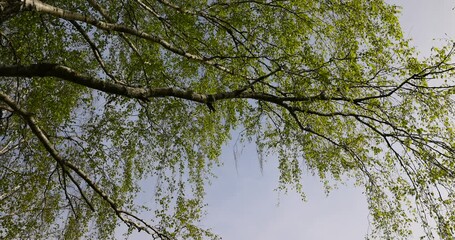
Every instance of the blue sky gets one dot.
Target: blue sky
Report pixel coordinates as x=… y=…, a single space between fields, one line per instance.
x=243 y=204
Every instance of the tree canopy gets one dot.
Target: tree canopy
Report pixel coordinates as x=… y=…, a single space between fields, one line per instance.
x=100 y=98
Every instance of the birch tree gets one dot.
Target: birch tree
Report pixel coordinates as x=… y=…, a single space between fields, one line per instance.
x=101 y=100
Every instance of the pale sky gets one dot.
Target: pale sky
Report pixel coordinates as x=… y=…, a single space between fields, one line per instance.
x=242 y=203
x=243 y=206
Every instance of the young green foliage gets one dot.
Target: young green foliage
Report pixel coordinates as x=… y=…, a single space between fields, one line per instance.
x=98 y=97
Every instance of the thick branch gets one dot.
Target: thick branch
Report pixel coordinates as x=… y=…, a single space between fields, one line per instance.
x=143 y=93
x=38 y=6
x=42 y=136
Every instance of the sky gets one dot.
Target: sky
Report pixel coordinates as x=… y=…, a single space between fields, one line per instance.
x=242 y=203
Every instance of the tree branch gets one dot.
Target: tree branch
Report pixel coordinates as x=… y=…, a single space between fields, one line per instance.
x=42 y=136
x=142 y=93
x=38 y=6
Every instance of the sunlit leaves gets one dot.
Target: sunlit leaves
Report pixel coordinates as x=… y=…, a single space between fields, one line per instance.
x=328 y=87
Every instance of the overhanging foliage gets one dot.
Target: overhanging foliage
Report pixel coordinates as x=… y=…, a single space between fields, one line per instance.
x=97 y=96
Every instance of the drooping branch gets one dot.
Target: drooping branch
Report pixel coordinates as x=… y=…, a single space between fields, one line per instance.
x=95 y=50
x=104 y=13
x=8 y=194
x=216 y=21
x=44 y=140
x=145 y=93
x=38 y=6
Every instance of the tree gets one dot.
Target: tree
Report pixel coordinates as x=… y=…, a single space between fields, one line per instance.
x=97 y=97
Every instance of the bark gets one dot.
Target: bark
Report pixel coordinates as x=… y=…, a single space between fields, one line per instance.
x=68 y=74
x=127 y=217
x=38 y=6
x=143 y=93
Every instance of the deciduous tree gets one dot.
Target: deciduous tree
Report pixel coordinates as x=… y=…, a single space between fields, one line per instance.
x=97 y=97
